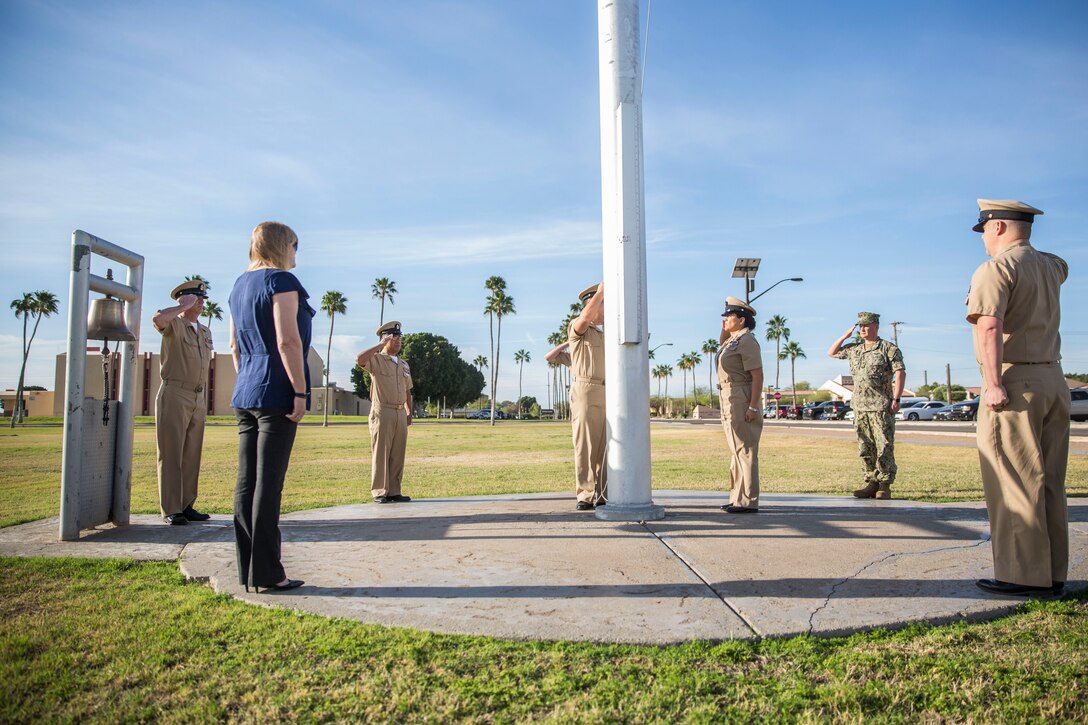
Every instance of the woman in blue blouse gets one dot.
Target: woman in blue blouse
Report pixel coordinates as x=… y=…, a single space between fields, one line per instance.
x=270 y=326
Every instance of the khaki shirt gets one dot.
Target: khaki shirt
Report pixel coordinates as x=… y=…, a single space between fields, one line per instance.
x=873 y=371
x=1021 y=286
x=185 y=354
x=587 y=354
x=390 y=381
x=737 y=359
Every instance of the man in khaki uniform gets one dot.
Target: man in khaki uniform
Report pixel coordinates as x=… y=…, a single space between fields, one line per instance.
x=585 y=356
x=1023 y=417
x=181 y=405
x=390 y=413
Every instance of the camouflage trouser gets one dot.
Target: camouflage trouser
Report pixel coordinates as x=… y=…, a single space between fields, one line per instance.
x=876 y=445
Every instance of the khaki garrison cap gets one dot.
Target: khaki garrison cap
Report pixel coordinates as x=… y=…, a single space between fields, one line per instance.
x=733 y=306
x=868 y=318
x=190 y=287
x=391 y=328
x=588 y=292
x=1004 y=209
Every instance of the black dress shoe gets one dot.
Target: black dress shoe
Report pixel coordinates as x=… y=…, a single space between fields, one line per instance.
x=175 y=519
x=383 y=499
x=997 y=586
x=1058 y=587
x=731 y=509
x=583 y=506
x=399 y=499
x=193 y=515
x=289 y=584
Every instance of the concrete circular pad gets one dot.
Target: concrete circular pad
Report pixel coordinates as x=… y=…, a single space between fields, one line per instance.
x=531 y=567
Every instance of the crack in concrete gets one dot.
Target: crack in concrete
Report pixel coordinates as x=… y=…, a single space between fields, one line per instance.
x=881 y=560
x=706 y=583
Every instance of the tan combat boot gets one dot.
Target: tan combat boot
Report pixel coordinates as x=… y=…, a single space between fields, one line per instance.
x=869 y=491
x=885 y=491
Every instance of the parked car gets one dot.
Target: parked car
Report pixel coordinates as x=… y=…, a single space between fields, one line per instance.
x=780 y=411
x=964 y=410
x=484 y=414
x=1078 y=404
x=829 y=410
x=836 y=411
x=922 y=411
x=808 y=410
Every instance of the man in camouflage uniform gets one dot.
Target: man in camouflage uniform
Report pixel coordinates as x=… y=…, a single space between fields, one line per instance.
x=879 y=374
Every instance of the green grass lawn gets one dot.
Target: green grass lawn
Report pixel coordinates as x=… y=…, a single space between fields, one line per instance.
x=120 y=640
x=109 y=641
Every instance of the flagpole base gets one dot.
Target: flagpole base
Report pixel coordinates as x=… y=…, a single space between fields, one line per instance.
x=630 y=512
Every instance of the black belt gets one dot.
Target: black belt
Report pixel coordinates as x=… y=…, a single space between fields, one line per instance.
x=1048 y=362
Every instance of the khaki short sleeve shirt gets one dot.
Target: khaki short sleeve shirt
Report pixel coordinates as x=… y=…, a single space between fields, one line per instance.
x=1021 y=286
x=390 y=380
x=739 y=356
x=186 y=353
x=587 y=354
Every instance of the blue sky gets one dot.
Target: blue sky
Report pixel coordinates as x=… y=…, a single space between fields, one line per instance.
x=440 y=143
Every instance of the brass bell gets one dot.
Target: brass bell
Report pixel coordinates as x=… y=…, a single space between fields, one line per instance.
x=106 y=321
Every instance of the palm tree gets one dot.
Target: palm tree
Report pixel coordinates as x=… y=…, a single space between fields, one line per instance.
x=521 y=357
x=710 y=347
x=499 y=304
x=39 y=304
x=333 y=303
x=693 y=361
x=493 y=284
x=211 y=310
x=792 y=351
x=480 y=363
x=777 y=331
x=382 y=289
x=666 y=371
x=683 y=364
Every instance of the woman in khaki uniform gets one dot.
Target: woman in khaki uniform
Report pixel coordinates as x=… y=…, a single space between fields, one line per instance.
x=740 y=380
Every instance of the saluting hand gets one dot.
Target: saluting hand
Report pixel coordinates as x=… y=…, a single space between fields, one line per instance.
x=187 y=301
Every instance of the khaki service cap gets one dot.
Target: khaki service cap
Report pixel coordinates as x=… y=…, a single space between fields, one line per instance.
x=190 y=287
x=587 y=292
x=1004 y=209
x=733 y=306
x=390 y=328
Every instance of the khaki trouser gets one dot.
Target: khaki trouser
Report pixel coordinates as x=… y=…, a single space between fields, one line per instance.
x=876 y=445
x=1023 y=450
x=179 y=435
x=743 y=440
x=588 y=430
x=388 y=439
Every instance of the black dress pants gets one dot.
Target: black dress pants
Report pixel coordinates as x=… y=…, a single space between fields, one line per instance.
x=265 y=439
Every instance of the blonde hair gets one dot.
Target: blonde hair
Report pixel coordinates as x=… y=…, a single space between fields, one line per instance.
x=270 y=245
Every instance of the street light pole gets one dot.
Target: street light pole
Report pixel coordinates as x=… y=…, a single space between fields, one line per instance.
x=788 y=279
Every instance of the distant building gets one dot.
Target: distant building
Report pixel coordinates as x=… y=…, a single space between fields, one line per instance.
x=36 y=403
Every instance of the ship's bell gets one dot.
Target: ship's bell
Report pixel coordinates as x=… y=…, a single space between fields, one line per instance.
x=106 y=321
